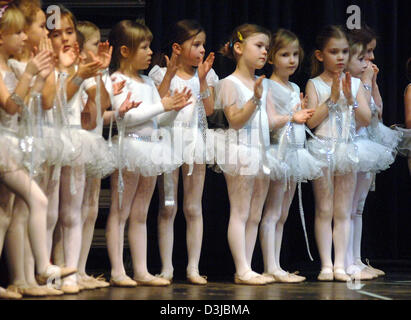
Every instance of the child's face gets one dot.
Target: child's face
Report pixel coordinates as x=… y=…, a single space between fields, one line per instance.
x=286 y=59
x=335 y=55
x=13 y=43
x=254 y=50
x=37 y=30
x=142 y=57
x=65 y=36
x=369 y=55
x=91 y=45
x=193 y=50
x=357 y=65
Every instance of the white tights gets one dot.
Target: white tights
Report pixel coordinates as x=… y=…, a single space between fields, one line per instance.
x=333 y=208
x=275 y=215
x=192 y=208
x=363 y=184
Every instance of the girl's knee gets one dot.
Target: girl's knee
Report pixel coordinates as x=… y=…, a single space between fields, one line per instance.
x=167 y=212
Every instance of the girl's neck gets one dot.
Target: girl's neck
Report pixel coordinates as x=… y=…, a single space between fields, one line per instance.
x=185 y=71
x=244 y=72
x=4 y=57
x=280 y=78
x=133 y=74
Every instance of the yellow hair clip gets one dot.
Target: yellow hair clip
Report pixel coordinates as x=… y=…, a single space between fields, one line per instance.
x=240 y=37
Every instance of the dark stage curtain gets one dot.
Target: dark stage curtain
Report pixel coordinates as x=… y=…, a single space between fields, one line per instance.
x=387 y=219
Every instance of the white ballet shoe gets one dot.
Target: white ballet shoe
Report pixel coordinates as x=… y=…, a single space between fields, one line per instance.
x=376 y=271
x=70 y=286
x=165 y=275
x=54 y=272
x=359 y=273
x=286 y=277
x=250 y=278
x=326 y=274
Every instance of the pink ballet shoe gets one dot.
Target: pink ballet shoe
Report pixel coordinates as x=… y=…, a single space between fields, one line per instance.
x=195 y=278
x=340 y=275
x=6 y=294
x=123 y=281
x=153 y=282
x=326 y=274
x=376 y=271
x=250 y=278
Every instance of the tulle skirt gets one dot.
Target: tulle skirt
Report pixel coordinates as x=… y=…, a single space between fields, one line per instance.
x=149 y=158
x=383 y=135
x=404 y=147
x=299 y=164
x=373 y=156
x=104 y=160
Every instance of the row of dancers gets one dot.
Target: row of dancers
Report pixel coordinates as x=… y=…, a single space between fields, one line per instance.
x=57 y=94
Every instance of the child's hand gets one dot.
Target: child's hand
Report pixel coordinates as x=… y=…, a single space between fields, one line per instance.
x=68 y=58
x=335 y=88
x=376 y=71
x=302 y=115
x=89 y=70
x=118 y=86
x=104 y=54
x=368 y=74
x=304 y=101
x=178 y=101
x=127 y=105
x=205 y=66
x=258 y=87
x=346 y=84
x=39 y=62
x=172 y=64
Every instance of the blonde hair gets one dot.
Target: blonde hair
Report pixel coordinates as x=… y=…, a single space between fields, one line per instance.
x=29 y=8
x=12 y=20
x=87 y=28
x=130 y=34
x=281 y=39
x=240 y=34
x=329 y=32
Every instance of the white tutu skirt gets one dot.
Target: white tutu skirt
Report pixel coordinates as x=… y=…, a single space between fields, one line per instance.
x=145 y=157
x=235 y=158
x=299 y=163
x=404 y=147
x=104 y=160
x=11 y=157
x=53 y=146
x=384 y=135
x=373 y=156
x=343 y=159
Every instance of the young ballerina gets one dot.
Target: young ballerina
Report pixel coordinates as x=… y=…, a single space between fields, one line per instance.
x=373 y=155
x=288 y=145
x=143 y=153
x=17 y=179
x=240 y=150
x=71 y=79
x=186 y=68
x=334 y=119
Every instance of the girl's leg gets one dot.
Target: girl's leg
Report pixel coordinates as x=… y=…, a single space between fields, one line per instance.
x=193 y=212
x=343 y=201
x=116 y=223
x=6 y=212
x=166 y=216
x=259 y=196
x=89 y=212
x=322 y=225
x=70 y=219
x=137 y=232
x=271 y=215
x=52 y=192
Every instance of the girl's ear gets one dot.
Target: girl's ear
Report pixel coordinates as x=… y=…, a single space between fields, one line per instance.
x=124 y=51
x=238 y=47
x=176 y=48
x=319 y=55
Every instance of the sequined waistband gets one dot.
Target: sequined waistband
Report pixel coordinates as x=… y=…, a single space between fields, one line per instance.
x=143 y=138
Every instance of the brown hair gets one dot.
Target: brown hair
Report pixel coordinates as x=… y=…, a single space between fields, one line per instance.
x=130 y=34
x=87 y=28
x=29 y=8
x=240 y=34
x=279 y=40
x=12 y=20
x=329 y=32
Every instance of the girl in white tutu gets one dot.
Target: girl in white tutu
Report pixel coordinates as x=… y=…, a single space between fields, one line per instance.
x=340 y=104
x=374 y=154
x=287 y=145
x=14 y=175
x=241 y=150
x=186 y=68
x=144 y=152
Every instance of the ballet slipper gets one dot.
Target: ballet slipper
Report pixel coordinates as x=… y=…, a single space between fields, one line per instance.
x=50 y=291
x=86 y=284
x=195 y=278
x=100 y=281
x=70 y=286
x=166 y=276
x=153 y=282
x=6 y=294
x=326 y=274
x=340 y=275
x=286 y=277
x=270 y=277
x=359 y=273
x=54 y=272
x=123 y=281
x=27 y=291
x=376 y=271
x=250 y=278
